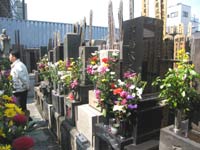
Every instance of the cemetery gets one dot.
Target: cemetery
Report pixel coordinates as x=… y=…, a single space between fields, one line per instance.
x=131 y=93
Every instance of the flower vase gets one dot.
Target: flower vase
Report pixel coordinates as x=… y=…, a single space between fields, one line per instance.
x=54 y=86
x=123 y=128
x=177 y=121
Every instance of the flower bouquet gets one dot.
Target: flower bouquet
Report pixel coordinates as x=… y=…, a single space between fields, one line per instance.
x=100 y=72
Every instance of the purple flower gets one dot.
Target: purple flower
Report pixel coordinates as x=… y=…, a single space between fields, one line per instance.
x=129 y=97
x=132 y=106
x=14 y=99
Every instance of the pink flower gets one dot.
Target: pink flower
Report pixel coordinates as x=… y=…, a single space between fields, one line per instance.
x=123 y=102
x=103 y=69
x=71 y=96
x=97 y=93
x=129 y=74
x=20 y=119
x=74 y=84
x=41 y=66
x=123 y=94
x=89 y=70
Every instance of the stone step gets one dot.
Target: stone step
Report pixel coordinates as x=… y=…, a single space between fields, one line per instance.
x=148 y=145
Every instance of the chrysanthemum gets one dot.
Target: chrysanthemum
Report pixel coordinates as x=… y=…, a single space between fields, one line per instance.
x=9 y=113
x=5 y=147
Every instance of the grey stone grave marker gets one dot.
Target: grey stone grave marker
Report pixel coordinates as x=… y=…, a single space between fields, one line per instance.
x=71 y=46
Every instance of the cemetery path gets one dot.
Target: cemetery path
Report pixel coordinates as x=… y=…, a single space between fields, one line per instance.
x=43 y=137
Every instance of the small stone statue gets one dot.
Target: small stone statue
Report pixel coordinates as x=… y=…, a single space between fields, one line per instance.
x=5 y=43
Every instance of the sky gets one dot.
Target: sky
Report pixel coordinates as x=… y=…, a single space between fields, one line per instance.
x=72 y=11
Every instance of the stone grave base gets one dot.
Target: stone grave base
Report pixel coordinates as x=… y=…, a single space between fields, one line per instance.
x=86 y=119
x=170 y=140
x=68 y=136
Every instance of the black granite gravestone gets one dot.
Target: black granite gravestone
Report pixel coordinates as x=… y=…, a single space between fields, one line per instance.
x=142 y=45
x=59 y=52
x=50 y=55
x=43 y=51
x=71 y=45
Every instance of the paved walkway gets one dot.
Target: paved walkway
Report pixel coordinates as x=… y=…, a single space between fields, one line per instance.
x=44 y=139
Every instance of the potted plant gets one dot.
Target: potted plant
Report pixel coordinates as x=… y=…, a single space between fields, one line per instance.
x=178 y=88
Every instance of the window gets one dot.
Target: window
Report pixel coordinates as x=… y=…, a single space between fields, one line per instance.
x=174 y=14
x=185 y=14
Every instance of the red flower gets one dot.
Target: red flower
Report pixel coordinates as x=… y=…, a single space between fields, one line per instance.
x=95 y=58
x=105 y=60
x=20 y=119
x=23 y=143
x=117 y=91
x=112 y=85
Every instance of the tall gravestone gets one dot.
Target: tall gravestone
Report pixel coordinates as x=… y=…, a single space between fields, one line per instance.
x=71 y=45
x=195 y=53
x=60 y=52
x=142 y=45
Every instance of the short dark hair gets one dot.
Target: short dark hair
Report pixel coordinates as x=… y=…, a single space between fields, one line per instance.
x=15 y=53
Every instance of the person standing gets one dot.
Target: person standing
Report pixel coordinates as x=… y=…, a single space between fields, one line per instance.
x=20 y=79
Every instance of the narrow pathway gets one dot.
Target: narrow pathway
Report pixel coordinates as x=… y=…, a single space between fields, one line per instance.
x=44 y=139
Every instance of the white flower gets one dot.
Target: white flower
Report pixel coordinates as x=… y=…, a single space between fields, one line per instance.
x=119 y=108
x=139 y=92
x=115 y=54
x=112 y=73
x=121 y=83
x=132 y=87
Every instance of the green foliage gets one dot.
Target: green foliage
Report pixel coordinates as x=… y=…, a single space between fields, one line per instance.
x=178 y=85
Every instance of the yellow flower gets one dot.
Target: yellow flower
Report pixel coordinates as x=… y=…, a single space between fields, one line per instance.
x=5 y=147
x=69 y=69
x=9 y=113
x=10 y=123
x=6 y=97
x=2 y=134
x=18 y=110
x=10 y=105
x=93 y=62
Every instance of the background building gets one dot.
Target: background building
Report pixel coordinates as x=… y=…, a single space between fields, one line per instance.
x=5 y=9
x=178 y=15
x=19 y=9
x=16 y=9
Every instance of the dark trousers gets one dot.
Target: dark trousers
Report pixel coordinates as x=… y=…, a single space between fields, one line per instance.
x=21 y=99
